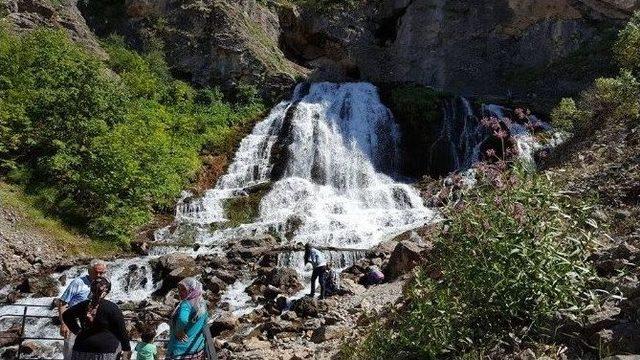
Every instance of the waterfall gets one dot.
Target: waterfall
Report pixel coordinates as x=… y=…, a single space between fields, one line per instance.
x=336 y=178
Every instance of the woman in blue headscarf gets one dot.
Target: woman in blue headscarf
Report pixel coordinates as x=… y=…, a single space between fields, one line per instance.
x=186 y=339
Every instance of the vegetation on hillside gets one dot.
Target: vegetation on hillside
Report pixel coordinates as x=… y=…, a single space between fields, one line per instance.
x=105 y=145
x=512 y=254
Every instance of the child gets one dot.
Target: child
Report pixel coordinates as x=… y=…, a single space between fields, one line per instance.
x=146 y=349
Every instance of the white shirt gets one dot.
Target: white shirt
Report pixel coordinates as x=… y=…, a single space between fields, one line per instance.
x=317 y=258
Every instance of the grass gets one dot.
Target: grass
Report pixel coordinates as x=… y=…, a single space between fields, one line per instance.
x=32 y=219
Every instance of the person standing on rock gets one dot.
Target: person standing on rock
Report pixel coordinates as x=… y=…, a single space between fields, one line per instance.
x=188 y=321
x=77 y=292
x=319 y=263
x=98 y=325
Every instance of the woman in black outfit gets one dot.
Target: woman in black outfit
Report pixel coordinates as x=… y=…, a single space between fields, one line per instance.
x=98 y=325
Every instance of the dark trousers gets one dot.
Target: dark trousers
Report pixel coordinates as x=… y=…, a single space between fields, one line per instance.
x=321 y=272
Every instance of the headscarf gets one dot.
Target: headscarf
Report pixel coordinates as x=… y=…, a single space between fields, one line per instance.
x=194 y=295
x=99 y=287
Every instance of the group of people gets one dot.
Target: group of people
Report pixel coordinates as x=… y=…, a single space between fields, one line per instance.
x=94 y=328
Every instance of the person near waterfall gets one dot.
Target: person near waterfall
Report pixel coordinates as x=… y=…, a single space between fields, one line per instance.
x=77 y=292
x=98 y=325
x=188 y=322
x=319 y=263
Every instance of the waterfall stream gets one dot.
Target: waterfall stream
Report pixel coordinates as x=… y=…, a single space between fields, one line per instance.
x=329 y=161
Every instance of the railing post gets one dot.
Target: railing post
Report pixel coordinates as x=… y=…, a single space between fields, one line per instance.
x=24 y=319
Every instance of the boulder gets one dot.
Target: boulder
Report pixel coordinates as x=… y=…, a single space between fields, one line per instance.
x=42 y=286
x=287 y=279
x=172 y=268
x=10 y=337
x=213 y=284
x=406 y=256
x=226 y=321
x=328 y=332
x=305 y=307
x=276 y=326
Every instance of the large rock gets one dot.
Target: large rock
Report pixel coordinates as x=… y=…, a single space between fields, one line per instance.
x=305 y=307
x=172 y=268
x=27 y=15
x=406 y=256
x=226 y=321
x=328 y=332
x=41 y=286
x=286 y=279
x=623 y=338
x=10 y=337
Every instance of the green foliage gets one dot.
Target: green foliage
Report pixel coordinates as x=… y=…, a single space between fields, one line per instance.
x=104 y=150
x=567 y=116
x=616 y=98
x=514 y=254
x=627 y=48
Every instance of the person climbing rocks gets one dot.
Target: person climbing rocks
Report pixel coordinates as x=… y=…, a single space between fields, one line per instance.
x=373 y=276
x=76 y=292
x=319 y=263
x=332 y=286
x=98 y=325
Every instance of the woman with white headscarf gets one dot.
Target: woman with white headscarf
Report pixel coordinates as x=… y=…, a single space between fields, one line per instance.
x=186 y=339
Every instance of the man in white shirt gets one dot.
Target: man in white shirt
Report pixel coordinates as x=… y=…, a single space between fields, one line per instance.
x=77 y=292
x=319 y=263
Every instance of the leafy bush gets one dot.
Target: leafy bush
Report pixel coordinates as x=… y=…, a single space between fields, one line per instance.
x=514 y=254
x=616 y=98
x=103 y=151
x=627 y=47
x=567 y=116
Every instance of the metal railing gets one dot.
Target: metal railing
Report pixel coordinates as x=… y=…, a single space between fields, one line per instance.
x=24 y=316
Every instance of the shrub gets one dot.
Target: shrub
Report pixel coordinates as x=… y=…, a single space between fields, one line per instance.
x=514 y=254
x=616 y=98
x=104 y=151
x=566 y=116
x=627 y=47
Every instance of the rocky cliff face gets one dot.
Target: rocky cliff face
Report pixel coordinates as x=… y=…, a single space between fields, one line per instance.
x=525 y=49
x=219 y=42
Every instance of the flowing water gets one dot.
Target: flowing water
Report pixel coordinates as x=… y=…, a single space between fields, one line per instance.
x=328 y=161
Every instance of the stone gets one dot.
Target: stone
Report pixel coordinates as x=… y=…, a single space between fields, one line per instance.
x=328 y=332
x=350 y=287
x=305 y=307
x=406 y=256
x=226 y=321
x=256 y=344
x=289 y=315
x=623 y=357
x=10 y=337
x=213 y=284
x=42 y=286
x=287 y=279
x=172 y=268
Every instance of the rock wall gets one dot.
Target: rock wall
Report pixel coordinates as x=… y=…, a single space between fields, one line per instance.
x=517 y=48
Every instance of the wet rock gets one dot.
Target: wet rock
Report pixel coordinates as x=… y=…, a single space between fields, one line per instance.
x=350 y=287
x=406 y=256
x=328 y=332
x=305 y=307
x=172 y=268
x=289 y=315
x=10 y=337
x=226 y=321
x=42 y=286
x=213 y=284
x=226 y=276
x=271 y=292
x=287 y=279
